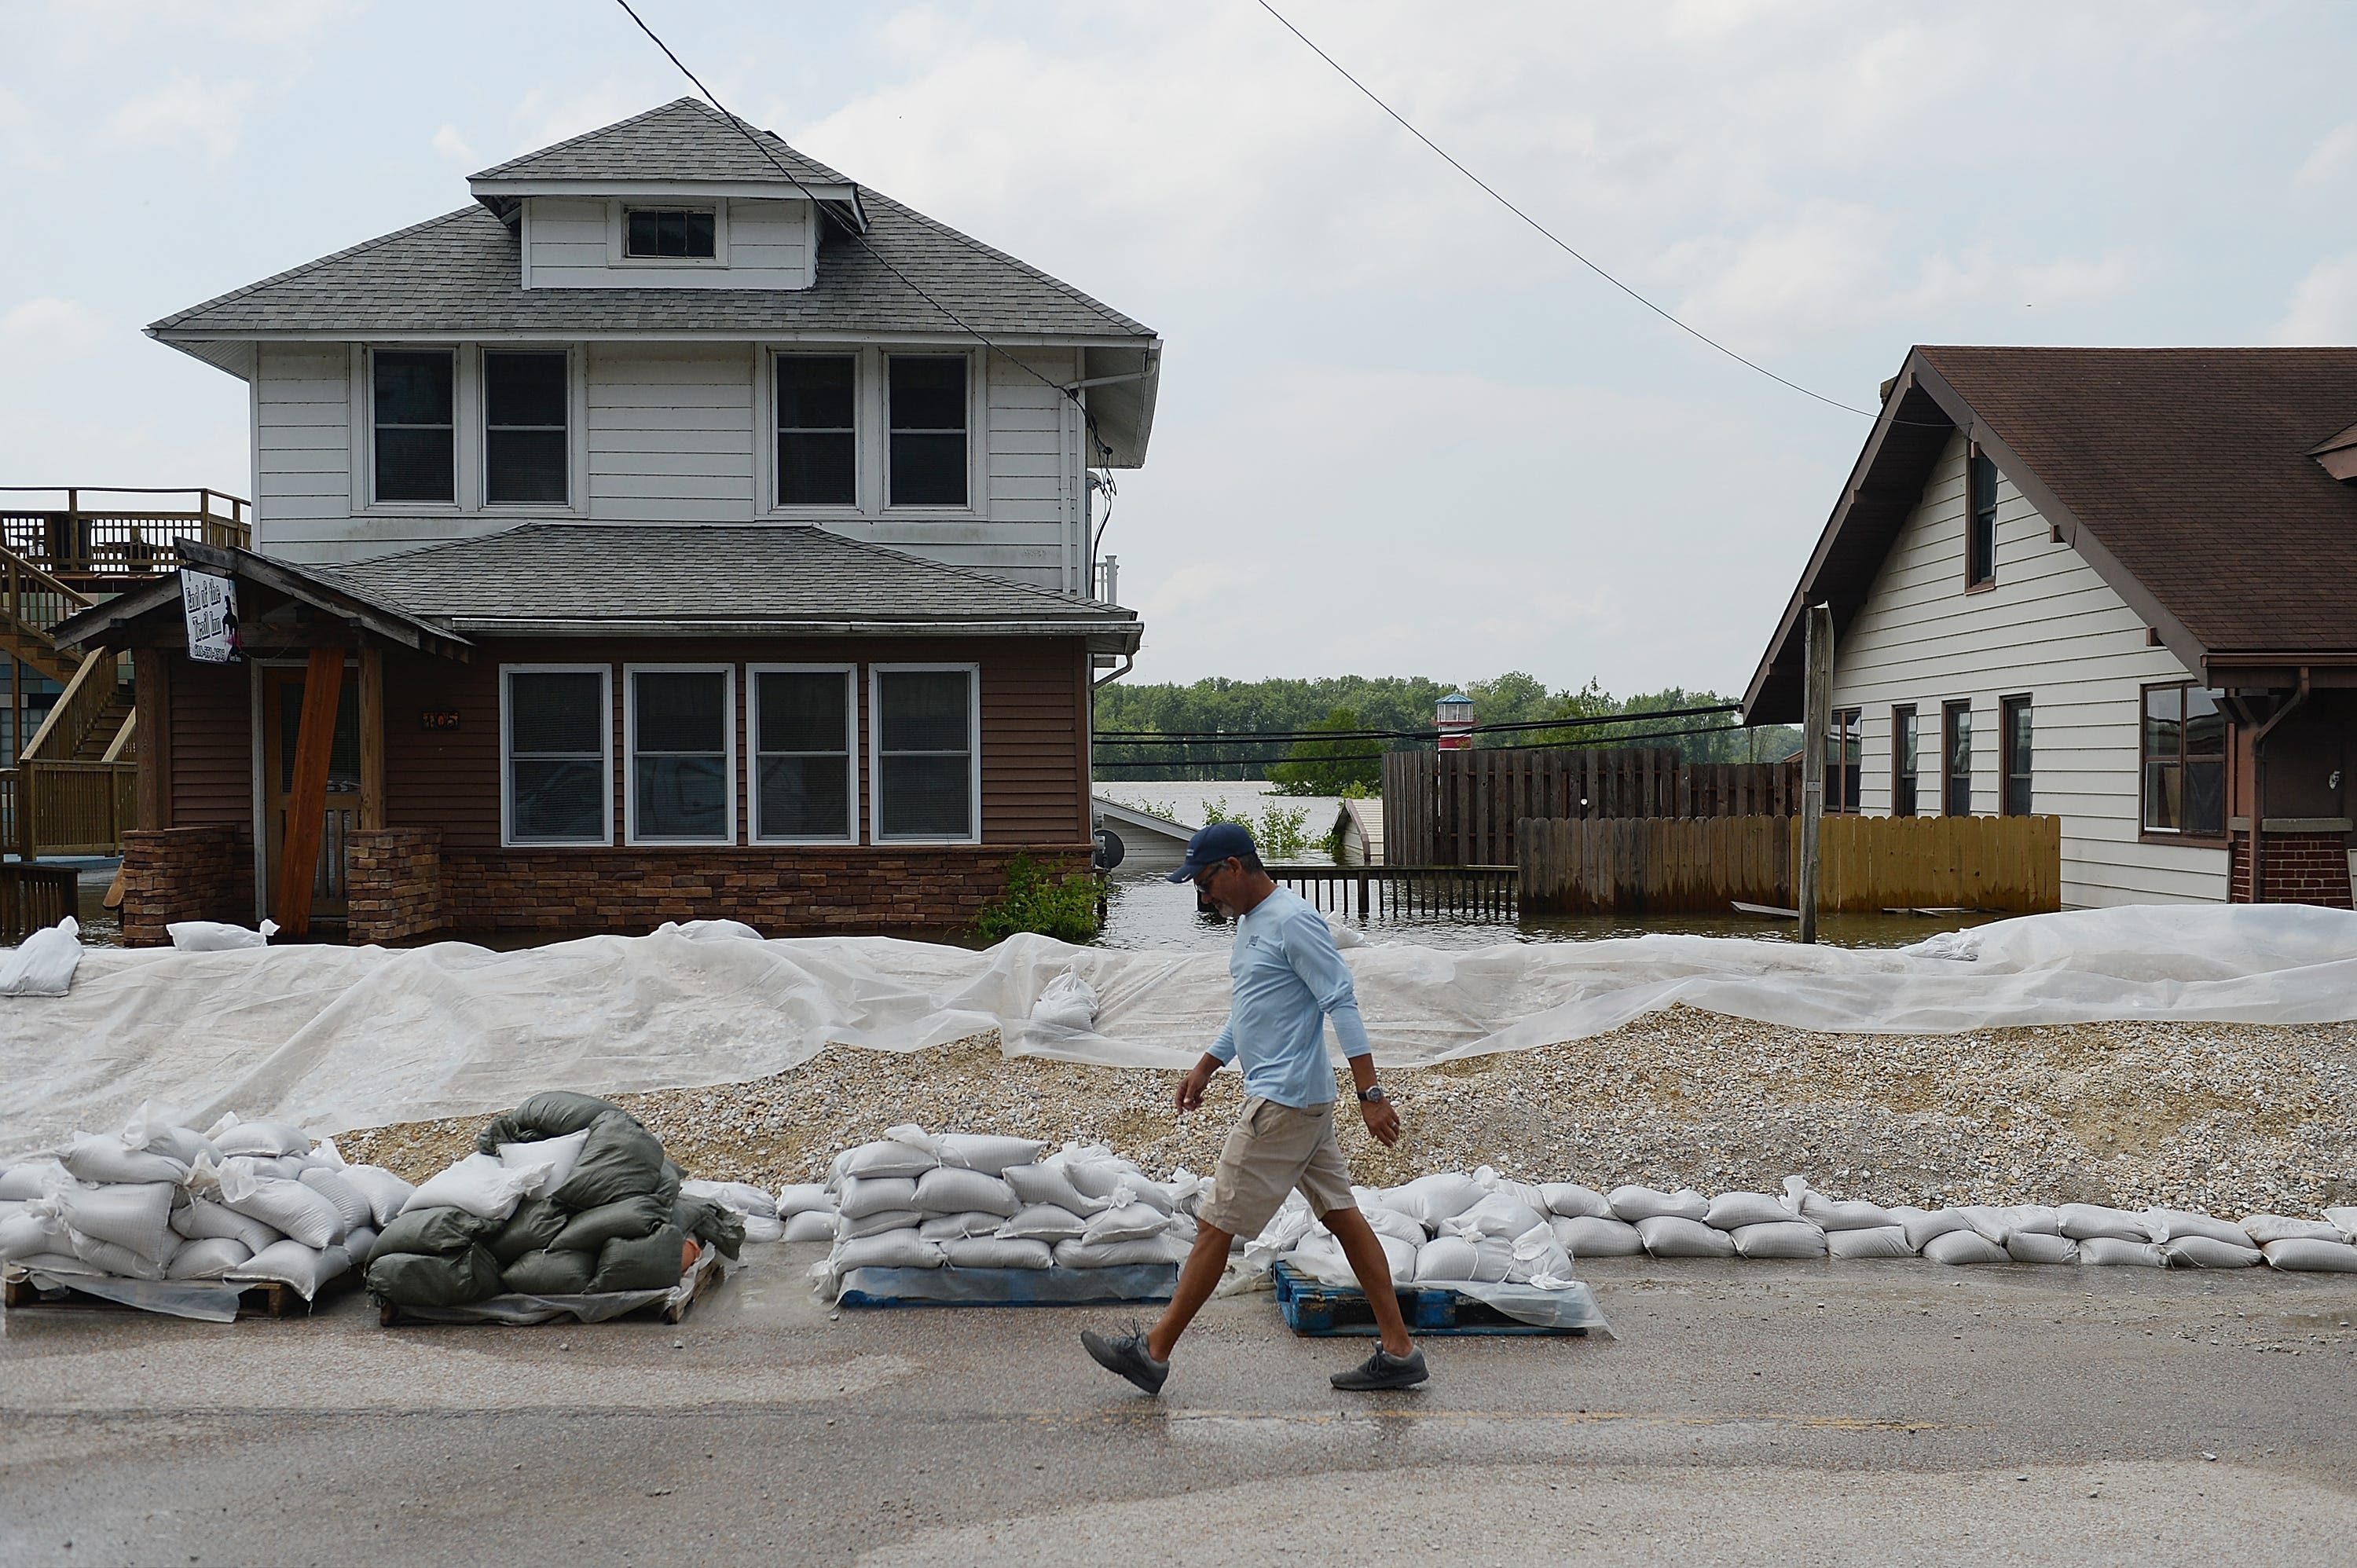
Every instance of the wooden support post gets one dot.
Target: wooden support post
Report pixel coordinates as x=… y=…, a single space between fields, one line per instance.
x=307 y=804
x=1817 y=716
x=371 y=724
x=151 y=697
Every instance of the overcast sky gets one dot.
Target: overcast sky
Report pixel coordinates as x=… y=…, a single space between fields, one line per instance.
x=1398 y=432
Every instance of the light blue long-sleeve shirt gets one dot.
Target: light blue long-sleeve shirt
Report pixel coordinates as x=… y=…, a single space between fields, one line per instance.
x=1288 y=981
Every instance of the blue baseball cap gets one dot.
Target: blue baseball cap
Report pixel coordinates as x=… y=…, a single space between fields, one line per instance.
x=1213 y=845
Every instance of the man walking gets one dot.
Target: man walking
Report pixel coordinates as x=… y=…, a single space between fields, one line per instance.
x=1288 y=980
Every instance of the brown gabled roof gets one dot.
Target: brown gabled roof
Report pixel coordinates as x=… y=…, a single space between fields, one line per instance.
x=2184 y=476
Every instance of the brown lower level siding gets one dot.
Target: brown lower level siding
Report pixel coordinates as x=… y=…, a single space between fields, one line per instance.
x=803 y=891
x=2301 y=868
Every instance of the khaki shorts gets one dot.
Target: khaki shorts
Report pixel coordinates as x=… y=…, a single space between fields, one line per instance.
x=1274 y=1149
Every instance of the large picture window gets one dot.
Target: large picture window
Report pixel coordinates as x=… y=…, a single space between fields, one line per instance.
x=556 y=730
x=525 y=457
x=410 y=404
x=683 y=744
x=926 y=778
x=818 y=462
x=1905 y=760
x=2013 y=728
x=1957 y=759
x=2184 y=762
x=804 y=720
x=1980 y=528
x=928 y=402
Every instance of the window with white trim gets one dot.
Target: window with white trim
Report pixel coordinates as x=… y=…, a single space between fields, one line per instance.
x=818 y=451
x=683 y=233
x=413 y=403
x=803 y=721
x=682 y=728
x=526 y=454
x=927 y=781
x=927 y=409
x=555 y=733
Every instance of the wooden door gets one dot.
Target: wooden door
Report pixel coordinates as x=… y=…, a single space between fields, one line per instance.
x=281 y=720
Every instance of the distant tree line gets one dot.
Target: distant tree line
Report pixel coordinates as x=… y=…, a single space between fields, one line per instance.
x=1346 y=702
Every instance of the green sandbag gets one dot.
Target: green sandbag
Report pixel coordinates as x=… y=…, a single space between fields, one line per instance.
x=552 y=1273
x=553 y=1113
x=708 y=1221
x=422 y=1279
x=645 y=1262
x=667 y=1185
x=590 y=1230
x=534 y=1225
x=621 y=1159
x=441 y=1231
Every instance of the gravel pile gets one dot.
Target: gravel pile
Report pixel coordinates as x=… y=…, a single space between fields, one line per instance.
x=2227 y=1119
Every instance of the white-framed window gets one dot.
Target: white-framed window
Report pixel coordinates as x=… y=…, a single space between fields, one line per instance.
x=527 y=420
x=928 y=411
x=557 y=732
x=414 y=427
x=925 y=753
x=802 y=726
x=655 y=232
x=680 y=721
x=816 y=399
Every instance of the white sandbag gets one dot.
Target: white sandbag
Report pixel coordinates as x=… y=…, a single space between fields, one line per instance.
x=1346 y=936
x=900 y=1249
x=135 y=1215
x=2208 y=1252
x=1084 y=1254
x=1130 y=1222
x=996 y=1253
x=110 y=1258
x=2038 y=1247
x=2263 y=1229
x=810 y=1225
x=1998 y=1221
x=1683 y=1236
x=1922 y=1228
x=2171 y=1224
x=1597 y=1236
x=1095 y=1172
x=290 y=1262
x=1430 y=1200
x=1962 y=1246
x=290 y=1207
x=803 y=1197
x=105 y=1159
x=1785 y=1238
x=1569 y=1200
x=1042 y=1222
x=2117 y=1253
x=1048 y=1184
x=384 y=1191
x=30 y=1178
x=863 y=1195
x=884 y=1158
x=479 y=1184
x=878 y=1223
x=232 y=1136
x=1483 y=1260
x=2087 y=1221
x=957 y=1226
x=30 y=1233
x=44 y=964
x=202 y=1219
x=1525 y=1193
x=160 y=1135
x=1392 y=1223
x=1068 y=1002
x=987 y=1152
x=2309 y=1254
x=350 y=1201
x=1153 y=1194
x=358 y=1243
x=1874 y=1242
x=1729 y=1210
x=218 y=936
x=2346 y=1218
x=946 y=1189
x=1640 y=1203
x=208 y=1259
x=763 y=1227
x=737 y=1197
x=1539 y=1259
x=56 y=1263
x=1500 y=1214
x=1320 y=1256
x=1830 y=1214
x=552 y=1158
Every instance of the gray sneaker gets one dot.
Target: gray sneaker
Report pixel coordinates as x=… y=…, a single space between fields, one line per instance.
x=1384 y=1370
x=1128 y=1357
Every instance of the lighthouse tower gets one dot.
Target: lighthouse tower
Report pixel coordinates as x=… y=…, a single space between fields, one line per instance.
x=1453 y=717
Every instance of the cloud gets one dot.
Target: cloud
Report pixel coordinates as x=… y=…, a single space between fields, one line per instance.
x=50 y=322
x=544 y=118
x=2323 y=310
x=211 y=114
x=450 y=145
x=2330 y=156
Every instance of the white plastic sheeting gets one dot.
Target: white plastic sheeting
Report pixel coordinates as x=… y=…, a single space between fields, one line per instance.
x=339 y=1037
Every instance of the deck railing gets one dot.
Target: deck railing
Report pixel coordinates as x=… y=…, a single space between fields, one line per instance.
x=70 y=532
x=1465 y=892
x=32 y=896
x=68 y=808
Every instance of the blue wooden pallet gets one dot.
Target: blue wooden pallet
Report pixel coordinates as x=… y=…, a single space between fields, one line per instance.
x=1322 y=1311
x=1008 y=1287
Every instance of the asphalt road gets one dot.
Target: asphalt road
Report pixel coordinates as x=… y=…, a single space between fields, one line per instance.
x=1749 y=1412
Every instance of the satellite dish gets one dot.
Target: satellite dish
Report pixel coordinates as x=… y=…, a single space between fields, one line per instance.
x=1109 y=849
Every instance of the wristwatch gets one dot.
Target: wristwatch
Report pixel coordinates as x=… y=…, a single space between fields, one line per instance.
x=1374 y=1096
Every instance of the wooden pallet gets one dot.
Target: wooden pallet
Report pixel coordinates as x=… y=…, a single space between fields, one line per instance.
x=1321 y=1311
x=259 y=1298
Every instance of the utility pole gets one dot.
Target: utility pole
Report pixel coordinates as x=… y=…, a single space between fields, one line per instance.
x=1817 y=717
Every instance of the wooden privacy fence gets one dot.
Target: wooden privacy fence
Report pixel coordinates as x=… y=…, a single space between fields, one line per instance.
x=1459 y=808
x=1704 y=865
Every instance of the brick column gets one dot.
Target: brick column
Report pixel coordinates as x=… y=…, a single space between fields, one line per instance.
x=394 y=881
x=184 y=873
x=2301 y=868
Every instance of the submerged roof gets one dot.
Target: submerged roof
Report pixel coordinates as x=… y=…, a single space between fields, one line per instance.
x=2183 y=476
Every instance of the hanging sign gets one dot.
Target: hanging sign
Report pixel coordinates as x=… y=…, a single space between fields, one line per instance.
x=210 y=604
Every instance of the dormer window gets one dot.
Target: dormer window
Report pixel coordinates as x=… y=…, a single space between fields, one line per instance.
x=669 y=233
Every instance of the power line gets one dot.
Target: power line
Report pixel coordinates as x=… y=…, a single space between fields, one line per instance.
x=1355 y=756
x=1577 y=721
x=1548 y=234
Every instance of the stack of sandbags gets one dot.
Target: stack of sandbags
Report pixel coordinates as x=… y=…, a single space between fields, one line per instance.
x=567 y=1194
x=755 y=1208
x=245 y=1202
x=806 y=1212
x=1449 y=1227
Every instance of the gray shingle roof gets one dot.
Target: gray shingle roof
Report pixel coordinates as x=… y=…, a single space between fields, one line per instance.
x=684 y=139
x=686 y=579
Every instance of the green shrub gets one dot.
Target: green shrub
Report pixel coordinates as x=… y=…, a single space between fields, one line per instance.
x=1278 y=833
x=1065 y=907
